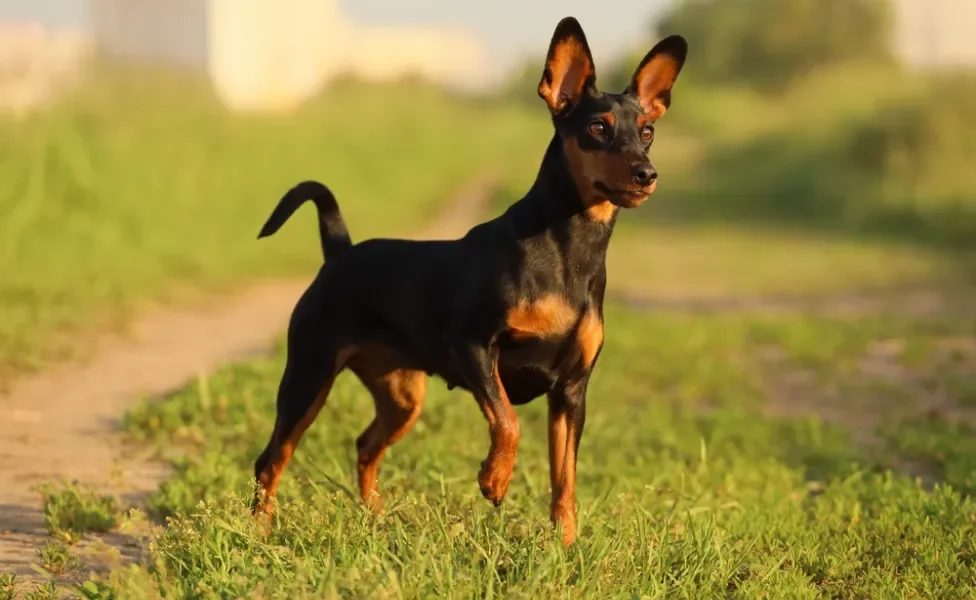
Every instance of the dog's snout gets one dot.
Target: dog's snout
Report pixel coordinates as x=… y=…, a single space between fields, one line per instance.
x=643 y=173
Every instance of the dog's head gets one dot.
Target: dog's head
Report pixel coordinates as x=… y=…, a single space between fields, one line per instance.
x=606 y=137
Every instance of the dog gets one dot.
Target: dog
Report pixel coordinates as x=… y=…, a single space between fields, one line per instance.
x=510 y=312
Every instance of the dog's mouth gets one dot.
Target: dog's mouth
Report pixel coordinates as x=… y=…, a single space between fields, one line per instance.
x=627 y=196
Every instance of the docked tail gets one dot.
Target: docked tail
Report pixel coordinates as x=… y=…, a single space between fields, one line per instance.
x=332 y=229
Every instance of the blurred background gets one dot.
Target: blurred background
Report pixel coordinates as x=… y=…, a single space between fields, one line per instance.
x=816 y=148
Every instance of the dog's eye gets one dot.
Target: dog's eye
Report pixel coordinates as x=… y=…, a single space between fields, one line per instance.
x=597 y=128
x=647 y=133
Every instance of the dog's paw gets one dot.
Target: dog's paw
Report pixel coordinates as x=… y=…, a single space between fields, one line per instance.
x=564 y=520
x=373 y=501
x=493 y=479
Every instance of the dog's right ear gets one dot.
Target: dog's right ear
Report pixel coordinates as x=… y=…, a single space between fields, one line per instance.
x=569 y=67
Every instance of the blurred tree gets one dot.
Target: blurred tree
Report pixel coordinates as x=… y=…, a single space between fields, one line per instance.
x=768 y=43
x=522 y=87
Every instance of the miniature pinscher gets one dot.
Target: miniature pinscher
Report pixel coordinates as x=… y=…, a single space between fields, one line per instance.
x=510 y=312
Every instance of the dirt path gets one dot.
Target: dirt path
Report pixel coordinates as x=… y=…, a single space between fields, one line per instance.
x=60 y=424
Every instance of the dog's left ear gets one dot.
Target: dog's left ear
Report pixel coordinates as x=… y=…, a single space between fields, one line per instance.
x=656 y=74
x=569 y=67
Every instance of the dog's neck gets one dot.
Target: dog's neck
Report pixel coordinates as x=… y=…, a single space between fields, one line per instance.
x=554 y=204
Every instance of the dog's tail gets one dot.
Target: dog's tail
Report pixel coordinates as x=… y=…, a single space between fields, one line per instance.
x=332 y=229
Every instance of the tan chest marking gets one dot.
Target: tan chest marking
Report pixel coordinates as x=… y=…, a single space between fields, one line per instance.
x=601 y=211
x=550 y=315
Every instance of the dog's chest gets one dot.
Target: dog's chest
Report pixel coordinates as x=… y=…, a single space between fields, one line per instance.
x=550 y=315
x=546 y=340
x=553 y=328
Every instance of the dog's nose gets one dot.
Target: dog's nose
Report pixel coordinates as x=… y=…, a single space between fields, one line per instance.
x=643 y=173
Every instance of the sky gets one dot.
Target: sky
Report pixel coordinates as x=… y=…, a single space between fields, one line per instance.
x=514 y=29
x=511 y=29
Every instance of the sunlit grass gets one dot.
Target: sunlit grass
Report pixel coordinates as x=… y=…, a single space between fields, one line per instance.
x=688 y=485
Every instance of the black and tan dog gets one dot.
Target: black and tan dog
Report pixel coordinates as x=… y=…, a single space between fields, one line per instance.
x=510 y=312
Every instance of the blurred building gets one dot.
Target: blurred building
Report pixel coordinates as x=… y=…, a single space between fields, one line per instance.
x=271 y=55
x=936 y=33
x=260 y=54
x=36 y=63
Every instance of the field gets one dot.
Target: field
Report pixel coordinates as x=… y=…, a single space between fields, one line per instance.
x=784 y=407
x=725 y=455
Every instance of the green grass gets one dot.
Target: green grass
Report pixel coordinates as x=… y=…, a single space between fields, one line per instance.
x=56 y=558
x=141 y=187
x=678 y=259
x=940 y=450
x=70 y=512
x=44 y=591
x=693 y=481
x=8 y=586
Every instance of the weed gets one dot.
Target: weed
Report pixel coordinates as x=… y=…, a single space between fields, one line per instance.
x=44 y=591
x=132 y=581
x=56 y=557
x=70 y=512
x=96 y=590
x=8 y=586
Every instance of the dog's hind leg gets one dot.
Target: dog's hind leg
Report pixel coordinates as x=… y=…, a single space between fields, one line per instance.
x=304 y=387
x=398 y=393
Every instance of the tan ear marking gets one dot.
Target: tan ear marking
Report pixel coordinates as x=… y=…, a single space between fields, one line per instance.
x=569 y=67
x=656 y=74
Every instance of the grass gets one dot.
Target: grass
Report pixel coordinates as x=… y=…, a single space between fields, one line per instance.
x=695 y=481
x=141 y=187
x=716 y=261
x=8 y=586
x=44 y=591
x=56 y=558
x=944 y=450
x=70 y=512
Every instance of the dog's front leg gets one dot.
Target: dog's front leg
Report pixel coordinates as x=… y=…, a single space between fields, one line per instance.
x=479 y=368
x=567 y=415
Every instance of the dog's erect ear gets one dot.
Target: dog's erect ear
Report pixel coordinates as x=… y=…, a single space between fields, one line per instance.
x=656 y=75
x=569 y=67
